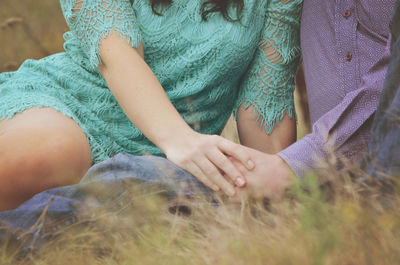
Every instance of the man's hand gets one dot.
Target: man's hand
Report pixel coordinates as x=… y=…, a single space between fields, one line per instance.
x=270 y=177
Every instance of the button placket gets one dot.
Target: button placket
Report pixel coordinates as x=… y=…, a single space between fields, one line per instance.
x=345 y=29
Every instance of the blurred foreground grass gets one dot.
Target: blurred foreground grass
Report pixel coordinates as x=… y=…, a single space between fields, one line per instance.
x=312 y=227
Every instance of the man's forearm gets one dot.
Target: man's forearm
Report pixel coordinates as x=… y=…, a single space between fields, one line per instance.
x=334 y=129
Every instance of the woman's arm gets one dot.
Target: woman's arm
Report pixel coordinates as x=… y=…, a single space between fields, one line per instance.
x=110 y=38
x=265 y=108
x=253 y=135
x=145 y=102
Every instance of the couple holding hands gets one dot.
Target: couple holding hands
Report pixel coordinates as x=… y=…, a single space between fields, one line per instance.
x=162 y=78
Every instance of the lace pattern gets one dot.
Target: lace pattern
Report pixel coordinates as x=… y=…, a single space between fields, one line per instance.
x=93 y=20
x=268 y=85
x=201 y=66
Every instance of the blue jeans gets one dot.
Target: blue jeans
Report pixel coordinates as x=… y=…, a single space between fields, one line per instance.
x=106 y=187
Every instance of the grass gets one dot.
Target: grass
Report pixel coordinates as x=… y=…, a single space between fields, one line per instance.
x=312 y=226
x=29 y=29
x=342 y=224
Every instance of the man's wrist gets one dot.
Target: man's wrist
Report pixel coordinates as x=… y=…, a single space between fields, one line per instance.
x=283 y=170
x=283 y=167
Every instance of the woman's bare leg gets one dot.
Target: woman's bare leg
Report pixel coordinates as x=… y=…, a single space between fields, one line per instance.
x=39 y=149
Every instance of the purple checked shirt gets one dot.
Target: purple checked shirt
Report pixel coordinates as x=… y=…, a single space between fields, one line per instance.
x=345 y=45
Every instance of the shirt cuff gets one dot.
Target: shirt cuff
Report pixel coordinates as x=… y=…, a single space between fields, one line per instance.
x=303 y=156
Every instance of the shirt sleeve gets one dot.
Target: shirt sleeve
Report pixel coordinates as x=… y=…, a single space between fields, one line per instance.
x=268 y=84
x=334 y=129
x=91 y=21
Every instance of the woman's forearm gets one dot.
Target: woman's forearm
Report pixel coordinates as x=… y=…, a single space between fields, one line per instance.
x=140 y=94
x=253 y=135
x=145 y=102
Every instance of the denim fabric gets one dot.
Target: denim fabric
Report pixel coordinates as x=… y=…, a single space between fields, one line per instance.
x=104 y=187
x=384 y=147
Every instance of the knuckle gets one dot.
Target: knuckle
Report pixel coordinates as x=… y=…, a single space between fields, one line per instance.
x=204 y=180
x=215 y=138
x=210 y=172
x=236 y=148
x=225 y=167
x=245 y=156
x=218 y=159
x=241 y=153
x=183 y=161
x=231 y=171
x=203 y=145
x=207 y=182
x=199 y=175
x=221 y=181
x=193 y=154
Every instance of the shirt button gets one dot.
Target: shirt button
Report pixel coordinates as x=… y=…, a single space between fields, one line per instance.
x=347 y=13
x=349 y=56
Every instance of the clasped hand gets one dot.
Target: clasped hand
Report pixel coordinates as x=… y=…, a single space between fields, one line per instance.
x=207 y=158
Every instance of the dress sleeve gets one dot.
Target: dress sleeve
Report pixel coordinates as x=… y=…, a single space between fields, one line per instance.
x=91 y=21
x=268 y=84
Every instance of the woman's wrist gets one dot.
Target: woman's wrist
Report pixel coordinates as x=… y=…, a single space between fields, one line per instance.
x=177 y=137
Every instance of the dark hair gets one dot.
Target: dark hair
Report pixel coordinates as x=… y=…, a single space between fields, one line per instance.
x=208 y=7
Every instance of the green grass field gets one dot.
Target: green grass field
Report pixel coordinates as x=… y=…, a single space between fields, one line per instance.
x=315 y=226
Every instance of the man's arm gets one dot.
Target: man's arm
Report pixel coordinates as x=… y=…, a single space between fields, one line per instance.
x=334 y=129
x=271 y=175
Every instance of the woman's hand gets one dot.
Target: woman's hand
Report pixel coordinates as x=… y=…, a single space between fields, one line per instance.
x=271 y=177
x=206 y=158
x=139 y=93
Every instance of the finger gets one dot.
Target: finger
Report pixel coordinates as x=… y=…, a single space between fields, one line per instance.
x=237 y=151
x=198 y=173
x=223 y=163
x=212 y=173
x=238 y=165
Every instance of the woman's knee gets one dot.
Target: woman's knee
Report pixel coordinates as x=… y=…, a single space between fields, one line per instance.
x=65 y=157
x=29 y=168
x=45 y=155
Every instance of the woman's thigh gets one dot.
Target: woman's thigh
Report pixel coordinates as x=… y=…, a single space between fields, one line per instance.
x=40 y=149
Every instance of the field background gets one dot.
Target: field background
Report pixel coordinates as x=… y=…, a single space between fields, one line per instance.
x=341 y=226
x=29 y=29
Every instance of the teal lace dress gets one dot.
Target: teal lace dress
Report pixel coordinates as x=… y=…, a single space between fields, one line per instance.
x=207 y=68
